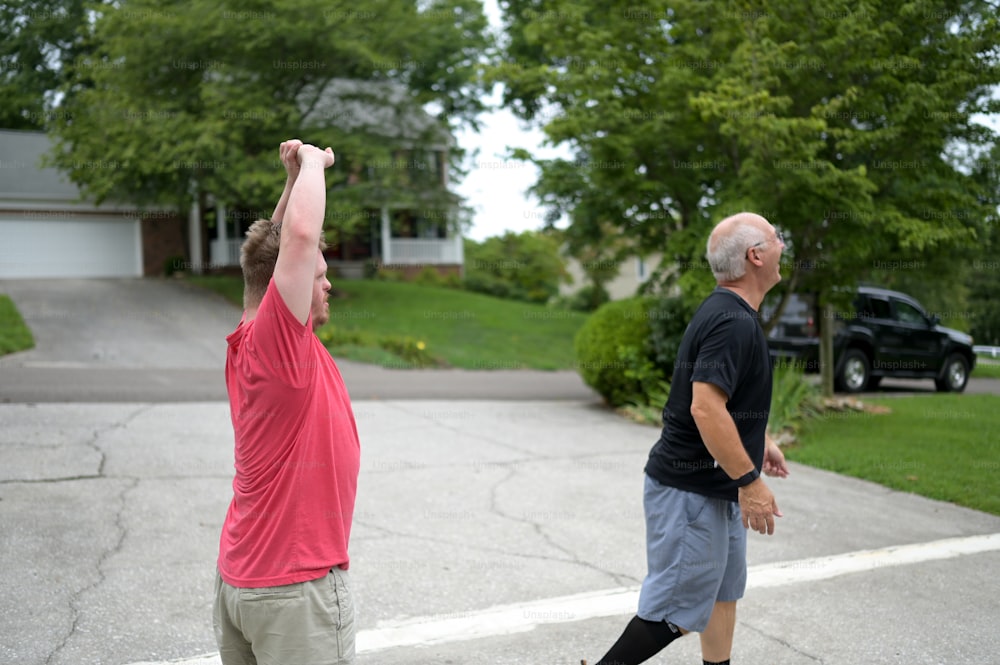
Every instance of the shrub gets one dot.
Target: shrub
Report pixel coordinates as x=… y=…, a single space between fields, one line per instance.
x=668 y=319
x=587 y=299
x=612 y=350
x=174 y=264
x=793 y=399
x=429 y=276
x=520 y=266
x=412 y=352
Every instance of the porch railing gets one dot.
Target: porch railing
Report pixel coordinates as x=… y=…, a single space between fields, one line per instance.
x=432 y=251
x=225 y=253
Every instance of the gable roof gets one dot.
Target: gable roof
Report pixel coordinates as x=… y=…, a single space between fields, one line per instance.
x=21 y=174
x=384 y=108
x=27 y=185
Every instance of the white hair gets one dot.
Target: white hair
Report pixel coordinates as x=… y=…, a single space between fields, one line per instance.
x=727 y=255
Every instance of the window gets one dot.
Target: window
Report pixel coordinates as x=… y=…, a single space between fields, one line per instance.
x=907 y=313
x=640 y=269
x=875 y=308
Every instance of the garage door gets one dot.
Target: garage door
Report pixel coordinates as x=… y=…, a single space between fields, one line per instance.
x=70 y=246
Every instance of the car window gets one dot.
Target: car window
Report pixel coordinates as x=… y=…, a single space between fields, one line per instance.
x=875 y=308
x=907 y=313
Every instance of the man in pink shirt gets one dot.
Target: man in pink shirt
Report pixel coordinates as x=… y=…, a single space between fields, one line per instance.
x=282 y=594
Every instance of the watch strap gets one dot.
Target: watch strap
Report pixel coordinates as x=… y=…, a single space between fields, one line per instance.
x=747 y=478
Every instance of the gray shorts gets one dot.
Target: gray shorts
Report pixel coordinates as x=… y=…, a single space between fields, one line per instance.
x=696 y=555
x=310 y=623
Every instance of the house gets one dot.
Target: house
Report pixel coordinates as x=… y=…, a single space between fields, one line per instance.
x=632 y=272
x=399 y=228
x=49 y=229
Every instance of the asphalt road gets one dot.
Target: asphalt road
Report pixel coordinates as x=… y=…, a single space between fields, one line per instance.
x=152 y=340
x=486 y=530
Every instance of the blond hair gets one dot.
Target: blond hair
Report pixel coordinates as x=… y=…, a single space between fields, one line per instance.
x=258 y=256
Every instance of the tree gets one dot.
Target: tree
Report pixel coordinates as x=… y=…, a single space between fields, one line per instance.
x=175 y=97
x=984 y=269
x=839 y=121
x=521 y=266
x=41 y=38
x=835 y=120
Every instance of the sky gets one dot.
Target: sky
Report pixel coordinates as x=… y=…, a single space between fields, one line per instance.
x=495 y=188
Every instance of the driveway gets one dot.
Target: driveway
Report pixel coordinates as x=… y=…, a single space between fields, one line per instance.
x=154 y=340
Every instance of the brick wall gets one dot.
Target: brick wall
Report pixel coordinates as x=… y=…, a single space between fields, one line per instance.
x=164 y=237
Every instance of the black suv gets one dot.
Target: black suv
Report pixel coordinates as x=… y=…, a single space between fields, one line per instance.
x=888 y=333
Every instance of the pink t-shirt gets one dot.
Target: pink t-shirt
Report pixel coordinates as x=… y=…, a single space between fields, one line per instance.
x=297 y=453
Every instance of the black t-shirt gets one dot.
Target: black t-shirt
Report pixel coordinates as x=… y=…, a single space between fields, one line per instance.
x=723 y=345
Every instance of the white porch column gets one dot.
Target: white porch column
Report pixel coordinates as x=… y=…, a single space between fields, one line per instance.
x=194 y=234
x=460 y=253
x=386 y=237
x=220 y=223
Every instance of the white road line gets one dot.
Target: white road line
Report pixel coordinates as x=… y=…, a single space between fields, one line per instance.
x=523 y=617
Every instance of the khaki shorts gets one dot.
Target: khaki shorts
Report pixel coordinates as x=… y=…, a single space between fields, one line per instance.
x=310 y=623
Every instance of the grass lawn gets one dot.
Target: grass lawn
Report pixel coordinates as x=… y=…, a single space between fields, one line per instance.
x=14 y=334
x=986 y=369
x=464 y=329
x=940 y=446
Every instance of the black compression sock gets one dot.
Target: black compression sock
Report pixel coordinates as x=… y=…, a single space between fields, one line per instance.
x=641 y=641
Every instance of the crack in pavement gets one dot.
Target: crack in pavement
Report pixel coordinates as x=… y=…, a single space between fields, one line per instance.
x=90 y=443
x=75 y=599
x=119 y=526
x=472 y=435
x=42 y=481
x=574 y=558
x=530 y=456
x=67 y=479
x=782 y=642
x=445 y=541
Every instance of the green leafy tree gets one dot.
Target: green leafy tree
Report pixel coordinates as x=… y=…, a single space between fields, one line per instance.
x=984 y=269
x=840 y=121
x=521 y=266
x=172 y=98
x=41 y=38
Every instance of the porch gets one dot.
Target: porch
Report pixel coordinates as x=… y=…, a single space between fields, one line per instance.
x=379 y=247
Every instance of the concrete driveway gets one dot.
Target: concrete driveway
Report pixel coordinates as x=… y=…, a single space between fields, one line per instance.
x=121 y=340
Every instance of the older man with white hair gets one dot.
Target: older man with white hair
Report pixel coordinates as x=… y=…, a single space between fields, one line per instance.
x=703 y=488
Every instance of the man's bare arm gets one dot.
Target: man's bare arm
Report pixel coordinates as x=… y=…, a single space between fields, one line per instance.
x=718 y=430
x=300 y=231
x=288 y=151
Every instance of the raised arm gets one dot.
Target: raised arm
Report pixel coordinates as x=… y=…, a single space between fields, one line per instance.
x=288 y=152
x=295 y=269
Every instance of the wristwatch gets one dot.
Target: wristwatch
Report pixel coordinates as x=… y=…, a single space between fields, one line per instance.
x=748 y=478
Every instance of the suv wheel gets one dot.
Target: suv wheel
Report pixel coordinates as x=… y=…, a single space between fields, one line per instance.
x=956 y=374
x=854 y=372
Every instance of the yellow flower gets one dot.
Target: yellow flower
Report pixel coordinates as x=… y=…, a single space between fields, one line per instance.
x=421 y=346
